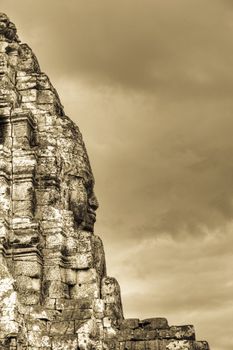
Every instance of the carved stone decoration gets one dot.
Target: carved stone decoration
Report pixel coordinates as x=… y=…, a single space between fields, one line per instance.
x=54 y=290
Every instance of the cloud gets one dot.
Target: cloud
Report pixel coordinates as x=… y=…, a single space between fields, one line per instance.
x=163 y=178
x=150 y=84
x=170 y=162
x=182 y=48
x=188 y=282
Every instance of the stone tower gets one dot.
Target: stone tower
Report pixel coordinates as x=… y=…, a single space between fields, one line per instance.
x=54 y=290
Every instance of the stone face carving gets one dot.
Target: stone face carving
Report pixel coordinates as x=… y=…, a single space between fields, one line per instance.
x=83 y=202
x=54 y=290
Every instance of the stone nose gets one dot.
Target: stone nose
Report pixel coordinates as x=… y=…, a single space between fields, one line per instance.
x=93 y=202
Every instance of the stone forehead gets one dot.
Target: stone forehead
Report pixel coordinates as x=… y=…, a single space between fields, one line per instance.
x=73 y=151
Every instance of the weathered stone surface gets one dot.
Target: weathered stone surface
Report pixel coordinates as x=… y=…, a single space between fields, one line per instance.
x=177 y=332
x=131 y=323
x=54 y=290
x=154 y=323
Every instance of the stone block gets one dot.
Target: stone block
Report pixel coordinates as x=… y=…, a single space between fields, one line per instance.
x=110 y=287
x=107 y=322
x=131 y=323
x=47 y=165
x=3 y=229
x=27 y=286
x=4 y=197
x=9 y=97
x=178 y=344
x=65 y=304
x=52 y=272
x=5 y=132
x=87 y=276
x=85 y=290
x=5 y=111
x=65 y=342
x=55 y=240
x=98 y=308
x=29 y=95
x=22 y=190
x=50 y=303
x=72 y=304
x=200 y=345
x=43 y=82
x=51 y=222
x=45 y=342
x=37 y=339
x=110 y=291
x=154 y=323
x=71 y=247
x=77 y=314
x=124 y=334
x=21 y=128
x=21 y=143
x=26 y=82
x=153 y=345
x=48 y=107
x=29 y=298
x=177 y=332
x=82 y=261
x=35 y=325
x=25 y=236
x=63 y=327
x=85 y=303
x=27 y=268
x=47 y=139
x=70 y=276
x=24 y=164
x=23 y=208
x=47 y=196
x=138 y=345
x=137 y=334
x=142 y=334
x=84 y=240
x=56 y=289
x=99 y=256
x=45 y=97
x=114 y=311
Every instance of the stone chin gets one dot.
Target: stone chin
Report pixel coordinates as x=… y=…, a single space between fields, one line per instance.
x=88 y=223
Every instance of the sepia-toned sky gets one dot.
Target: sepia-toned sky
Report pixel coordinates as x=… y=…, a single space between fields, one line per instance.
x=150 y=84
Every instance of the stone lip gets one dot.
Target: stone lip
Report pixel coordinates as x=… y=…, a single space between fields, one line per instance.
x=7 y=28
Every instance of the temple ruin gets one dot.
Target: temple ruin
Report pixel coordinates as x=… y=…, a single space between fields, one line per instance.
x=54 y=290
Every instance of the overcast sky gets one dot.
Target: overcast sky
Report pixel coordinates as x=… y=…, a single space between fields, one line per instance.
x=150 y=84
